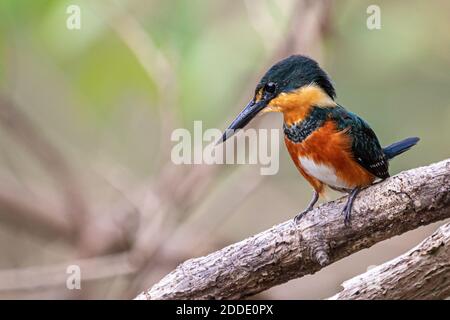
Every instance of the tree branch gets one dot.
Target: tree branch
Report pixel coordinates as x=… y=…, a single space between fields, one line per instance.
x=412 y=198
x=421 y=273
x=24 y=131
x=38 y=216
x=39 y=277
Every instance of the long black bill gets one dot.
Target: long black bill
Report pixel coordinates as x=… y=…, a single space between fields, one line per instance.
x=246 y=115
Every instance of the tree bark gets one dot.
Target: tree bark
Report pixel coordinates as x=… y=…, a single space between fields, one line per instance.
x=421 y=273
x=286 y=251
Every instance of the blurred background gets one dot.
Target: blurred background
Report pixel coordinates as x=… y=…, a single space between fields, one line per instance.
x=86 y=117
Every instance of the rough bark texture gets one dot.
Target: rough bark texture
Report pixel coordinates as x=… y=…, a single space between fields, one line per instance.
x=286 y=251
x=421 y=273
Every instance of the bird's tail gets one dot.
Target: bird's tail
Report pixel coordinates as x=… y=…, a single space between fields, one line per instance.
x=399 y=147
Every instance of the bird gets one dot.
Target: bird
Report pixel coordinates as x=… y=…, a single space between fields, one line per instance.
x=330 y=146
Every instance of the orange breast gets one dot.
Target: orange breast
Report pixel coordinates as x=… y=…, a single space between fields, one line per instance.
x=325 y=156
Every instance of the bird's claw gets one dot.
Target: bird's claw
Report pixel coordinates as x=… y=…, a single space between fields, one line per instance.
x=310 y=206
x=347 y=211
x=347 y=214
x=299 y=216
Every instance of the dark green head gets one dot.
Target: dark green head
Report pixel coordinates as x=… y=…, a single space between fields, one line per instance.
x=293 y=73
x=286 y=76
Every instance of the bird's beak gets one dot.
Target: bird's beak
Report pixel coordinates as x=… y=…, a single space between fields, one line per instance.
x=246 y=115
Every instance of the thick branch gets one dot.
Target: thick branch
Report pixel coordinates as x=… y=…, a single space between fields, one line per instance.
x=421 y=273
x=287 y=251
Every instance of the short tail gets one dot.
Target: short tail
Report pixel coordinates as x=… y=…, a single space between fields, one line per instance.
x=399 y=147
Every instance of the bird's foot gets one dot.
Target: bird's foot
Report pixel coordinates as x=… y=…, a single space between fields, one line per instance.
x=299 y=216
x=311 y=204
x=347 y=211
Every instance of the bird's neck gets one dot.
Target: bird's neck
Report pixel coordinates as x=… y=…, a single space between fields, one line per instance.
x=297 y=105
x=298 y=131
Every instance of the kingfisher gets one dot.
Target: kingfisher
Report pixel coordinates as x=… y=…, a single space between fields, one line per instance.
x=330 y=146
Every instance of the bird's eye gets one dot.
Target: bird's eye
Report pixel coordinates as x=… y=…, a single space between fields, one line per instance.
x=270 y=87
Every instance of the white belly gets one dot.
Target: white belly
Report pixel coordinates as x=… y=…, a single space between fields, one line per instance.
x=322 y=172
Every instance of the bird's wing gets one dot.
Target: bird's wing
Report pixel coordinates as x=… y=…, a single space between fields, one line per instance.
x=365 y=147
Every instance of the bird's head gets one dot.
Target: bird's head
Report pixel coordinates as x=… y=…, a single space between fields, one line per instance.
x=291 y=86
